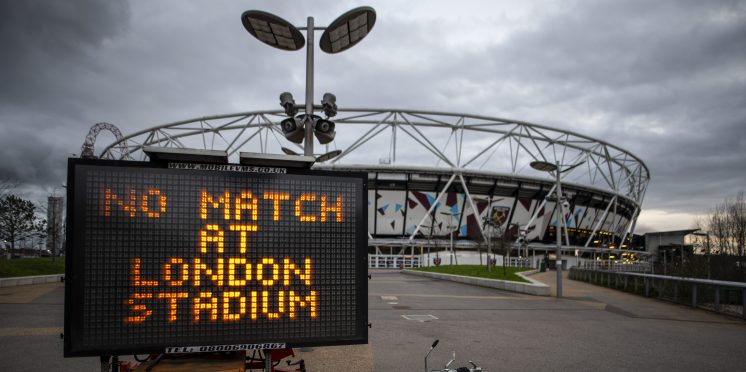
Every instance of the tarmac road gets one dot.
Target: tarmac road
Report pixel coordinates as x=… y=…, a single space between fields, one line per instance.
x=597 y=330
x=594 y=329
x=31 y=320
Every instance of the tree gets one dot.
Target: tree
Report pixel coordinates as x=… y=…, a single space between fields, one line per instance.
x=502 y=243
x=726 y=223
x=718 y=226
x=737 y=218
x=17 y=219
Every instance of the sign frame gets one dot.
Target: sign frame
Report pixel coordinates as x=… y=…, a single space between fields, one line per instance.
x=74 y=264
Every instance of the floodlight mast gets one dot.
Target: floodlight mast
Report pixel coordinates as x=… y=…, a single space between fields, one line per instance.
x=558 y=233
x=343 y=33
x=308 y=145
x=559 y=199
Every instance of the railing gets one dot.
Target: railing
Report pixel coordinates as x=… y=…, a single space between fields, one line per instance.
x=714 y=295
x=518 y=262
x=393 y=261
x=618 y=266
x=398 y=261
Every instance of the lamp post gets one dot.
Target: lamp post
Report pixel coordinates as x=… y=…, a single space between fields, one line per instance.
x=549 y=167
x=450 y=232
x=343 y=33
x=429 y=242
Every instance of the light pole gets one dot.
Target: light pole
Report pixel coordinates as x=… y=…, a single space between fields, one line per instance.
x=346 y=31
x=450 y=232
x=429 y=241
x=343 y=33
x=549 y=167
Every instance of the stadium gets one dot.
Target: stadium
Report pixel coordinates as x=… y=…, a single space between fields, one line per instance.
x=442 y=180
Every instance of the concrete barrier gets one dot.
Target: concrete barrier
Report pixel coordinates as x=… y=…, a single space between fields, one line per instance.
x=533 y=288
x=26 y=280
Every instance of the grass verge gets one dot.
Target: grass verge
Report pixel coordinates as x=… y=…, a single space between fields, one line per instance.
x=479 y=271
x=31 y=266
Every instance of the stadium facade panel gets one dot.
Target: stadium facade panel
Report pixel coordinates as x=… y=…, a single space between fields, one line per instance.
x=403 y=200
x=433 y=173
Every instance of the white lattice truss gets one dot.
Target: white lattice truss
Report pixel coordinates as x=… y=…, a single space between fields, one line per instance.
x=407 y=138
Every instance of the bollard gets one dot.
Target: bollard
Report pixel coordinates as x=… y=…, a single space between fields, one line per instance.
x=717 y=299
x=743 y=302
x=647 y=288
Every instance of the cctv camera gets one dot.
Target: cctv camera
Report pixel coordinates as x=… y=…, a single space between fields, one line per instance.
x=565 y=204
x=329 y=104
x=287 y=101
x=292 y=128
x=324 y=130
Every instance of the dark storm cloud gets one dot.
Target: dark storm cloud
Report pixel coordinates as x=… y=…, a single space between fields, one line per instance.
x=68 y=65
x=43 y=42
x=663 y=79
x=44 y=46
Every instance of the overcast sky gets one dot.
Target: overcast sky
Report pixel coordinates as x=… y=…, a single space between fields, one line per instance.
x=665 y=80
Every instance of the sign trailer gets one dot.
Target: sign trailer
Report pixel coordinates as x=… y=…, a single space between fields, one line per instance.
x=174 y=259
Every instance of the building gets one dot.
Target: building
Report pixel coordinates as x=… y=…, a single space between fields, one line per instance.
x=672 y=247
x=438 y=180
x=55 y=228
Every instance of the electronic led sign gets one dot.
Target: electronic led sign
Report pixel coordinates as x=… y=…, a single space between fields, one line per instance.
x=168 y=256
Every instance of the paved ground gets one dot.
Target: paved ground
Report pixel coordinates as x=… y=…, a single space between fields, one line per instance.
x=592 y=329
x=31 y=320
x=598 y=329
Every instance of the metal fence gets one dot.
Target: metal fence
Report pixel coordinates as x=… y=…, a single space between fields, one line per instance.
x=393 y=261
x=618 y=266
x=398 y=261
x=518 y=262
x=714 y=295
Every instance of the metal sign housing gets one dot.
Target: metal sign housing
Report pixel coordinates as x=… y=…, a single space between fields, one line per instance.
x=164 y=257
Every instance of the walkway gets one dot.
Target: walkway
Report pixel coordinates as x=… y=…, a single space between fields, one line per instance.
x=627 y=304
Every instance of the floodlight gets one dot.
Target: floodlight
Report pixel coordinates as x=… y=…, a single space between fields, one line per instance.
x=292 y=128
x=287 y=101
x=328 y=156
x=347 y=30
x=323 y=130
x=543 y=166
x=289 y=151
x=272 y=30
x=329 y=104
